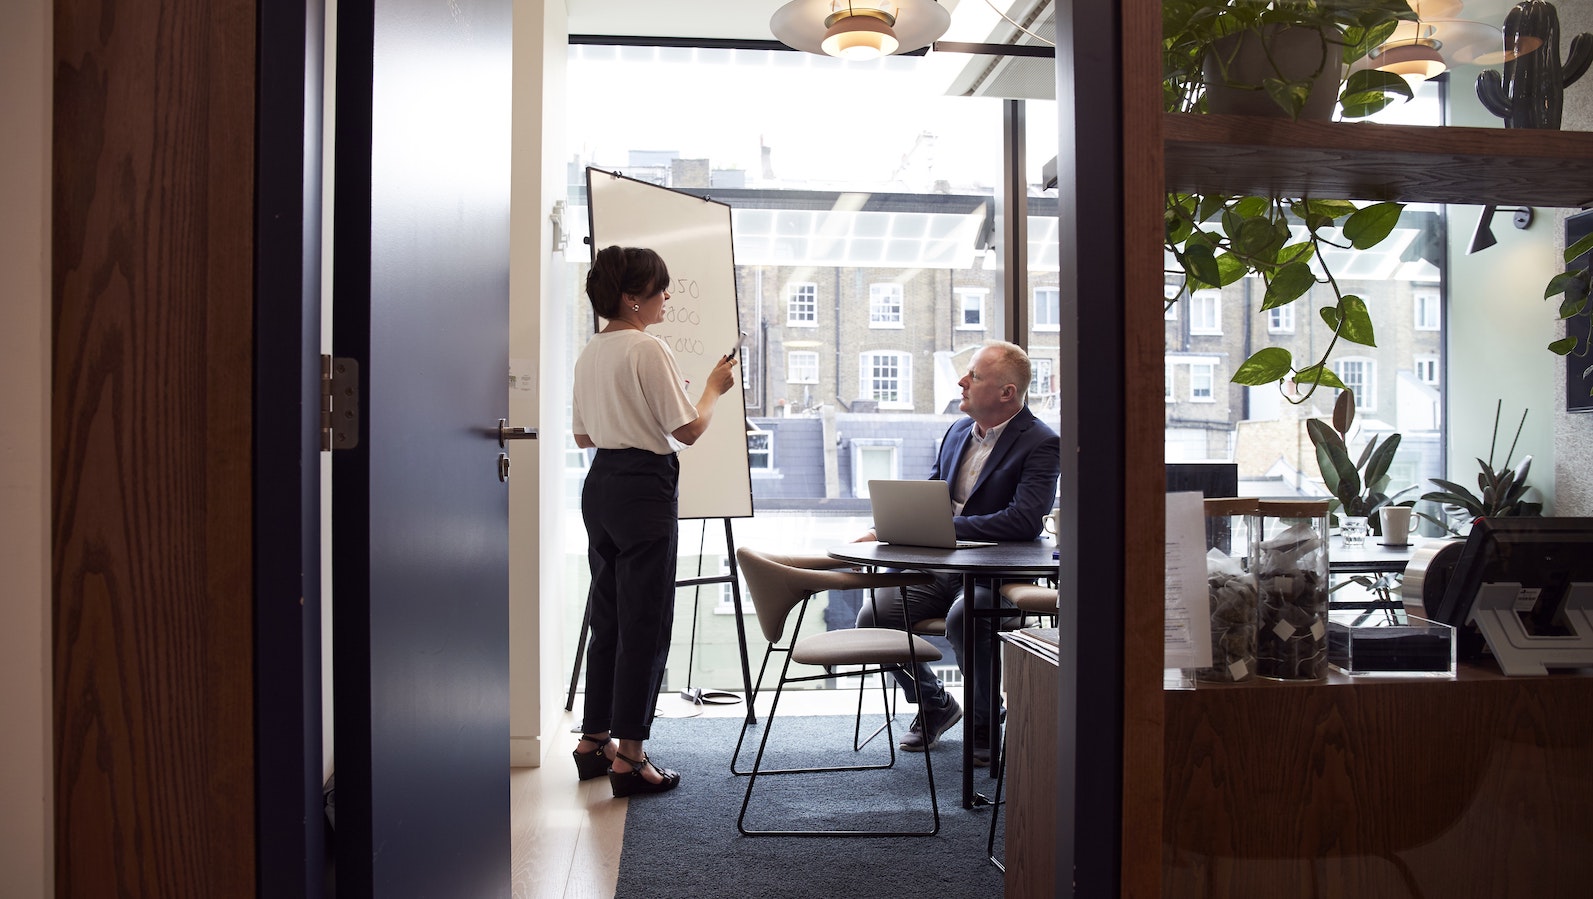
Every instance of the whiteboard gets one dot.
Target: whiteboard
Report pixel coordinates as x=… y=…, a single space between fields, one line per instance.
x=701 y=321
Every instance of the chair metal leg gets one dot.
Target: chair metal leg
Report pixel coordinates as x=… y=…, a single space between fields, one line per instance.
x=757 y=770
x=999 y=757
x=858 y=742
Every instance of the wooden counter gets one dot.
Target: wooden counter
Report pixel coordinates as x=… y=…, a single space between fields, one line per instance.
x=1480 y=786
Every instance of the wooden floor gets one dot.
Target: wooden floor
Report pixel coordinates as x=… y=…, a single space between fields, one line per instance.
x=567 y=834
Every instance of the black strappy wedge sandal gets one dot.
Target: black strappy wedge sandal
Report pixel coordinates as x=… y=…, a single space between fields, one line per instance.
x=632 y=783
x=592 y=764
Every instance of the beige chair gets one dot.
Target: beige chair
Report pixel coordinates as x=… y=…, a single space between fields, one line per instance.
x=780 y=585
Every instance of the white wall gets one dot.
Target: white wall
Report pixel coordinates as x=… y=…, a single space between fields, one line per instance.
x=1573 y=434
x=26 y=793
x=536 y=395
x=1498 y=328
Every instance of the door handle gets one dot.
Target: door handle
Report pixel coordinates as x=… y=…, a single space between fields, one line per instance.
x=506 y=433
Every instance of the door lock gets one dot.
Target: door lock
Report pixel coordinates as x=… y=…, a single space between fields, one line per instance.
x=503 y=466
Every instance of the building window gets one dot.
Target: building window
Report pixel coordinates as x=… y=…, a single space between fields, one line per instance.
x=887 y=378
x=1047 y=309
x=884 y=305
x=802 y=367
x=1040 y=383
x=1205 y=311
x=1280 y=320
x=802 y=305
x=1172 y=289
x=971 y=308
x=760 y=448
x=1359 y=375
x=1427 y=370
x=1429 y=316
x=1202 y=381
x=1167 y=381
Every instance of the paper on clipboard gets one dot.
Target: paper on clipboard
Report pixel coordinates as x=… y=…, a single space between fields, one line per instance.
x=1187 y=628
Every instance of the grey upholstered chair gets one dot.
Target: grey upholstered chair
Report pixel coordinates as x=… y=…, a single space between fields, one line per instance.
x=780 y=585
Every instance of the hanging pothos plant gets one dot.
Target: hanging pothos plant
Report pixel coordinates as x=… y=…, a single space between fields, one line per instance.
x=1573 y=286
x=1218 y=239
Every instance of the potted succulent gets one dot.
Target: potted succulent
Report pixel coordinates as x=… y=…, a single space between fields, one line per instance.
x=1501 y=492
x=1214 y=239
x=1358 y=486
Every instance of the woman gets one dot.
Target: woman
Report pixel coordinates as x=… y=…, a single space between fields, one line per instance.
x=631 y=403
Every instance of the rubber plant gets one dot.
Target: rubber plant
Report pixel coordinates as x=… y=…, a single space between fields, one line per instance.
x=1218 y=239
x=1358 y=486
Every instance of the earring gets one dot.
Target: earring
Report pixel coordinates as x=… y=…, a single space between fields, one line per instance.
x=636 y=307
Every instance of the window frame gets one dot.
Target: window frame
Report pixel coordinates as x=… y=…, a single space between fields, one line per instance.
x=1366 y=393
x=1051 y=308
x=904 y=378
x=1427 y=298
x=963 y=295
x=878 y=314
x=808 y=291
x=1198 y=324
x=790 y=367
x=1210 y=367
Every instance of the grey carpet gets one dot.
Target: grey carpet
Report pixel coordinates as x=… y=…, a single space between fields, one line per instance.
x=685 y=844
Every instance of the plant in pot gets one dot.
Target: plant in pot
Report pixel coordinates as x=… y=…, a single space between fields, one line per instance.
x=1501 y=492
x=1358 y=486
x=1217 y=239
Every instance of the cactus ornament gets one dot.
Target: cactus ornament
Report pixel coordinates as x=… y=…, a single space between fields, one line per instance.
x=1532 y=92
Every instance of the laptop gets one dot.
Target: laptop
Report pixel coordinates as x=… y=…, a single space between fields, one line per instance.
x=916 y=513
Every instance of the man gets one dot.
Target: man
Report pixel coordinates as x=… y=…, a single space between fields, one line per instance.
x=1001 y=463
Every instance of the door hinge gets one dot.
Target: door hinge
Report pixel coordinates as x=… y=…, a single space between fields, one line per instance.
x=340 y=403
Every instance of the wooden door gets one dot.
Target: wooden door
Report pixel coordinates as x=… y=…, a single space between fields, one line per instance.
x=420 y=516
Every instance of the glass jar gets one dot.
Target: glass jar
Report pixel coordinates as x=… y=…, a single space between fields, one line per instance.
x=1289 y=559
x=1232 y=590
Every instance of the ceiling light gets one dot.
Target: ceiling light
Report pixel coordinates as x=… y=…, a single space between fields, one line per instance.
x=1415 y=61
x=859 y=29
x=861 y=34
x=1458 y=41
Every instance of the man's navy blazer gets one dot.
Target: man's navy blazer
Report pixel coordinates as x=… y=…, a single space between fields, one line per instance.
x=1017 y=486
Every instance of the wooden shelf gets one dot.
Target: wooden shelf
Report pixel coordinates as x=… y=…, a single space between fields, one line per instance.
x=1365 y=161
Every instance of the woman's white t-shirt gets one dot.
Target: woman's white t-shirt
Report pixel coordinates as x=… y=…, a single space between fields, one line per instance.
x=629 y=393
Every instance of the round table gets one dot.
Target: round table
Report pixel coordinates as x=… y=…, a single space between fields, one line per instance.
x=1007 y=560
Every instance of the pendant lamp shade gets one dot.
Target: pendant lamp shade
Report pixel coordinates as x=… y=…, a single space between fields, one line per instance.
x=859 y=29
x=1415 y=61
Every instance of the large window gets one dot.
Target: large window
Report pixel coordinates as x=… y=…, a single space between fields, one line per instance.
x=802 y=305
x=866 y=275
x=1280 y=320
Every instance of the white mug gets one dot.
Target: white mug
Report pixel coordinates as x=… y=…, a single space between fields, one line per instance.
x=1398 y=525
x=1052 y=521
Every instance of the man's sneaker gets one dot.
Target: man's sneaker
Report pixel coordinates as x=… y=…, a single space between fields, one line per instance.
x=919 y=737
